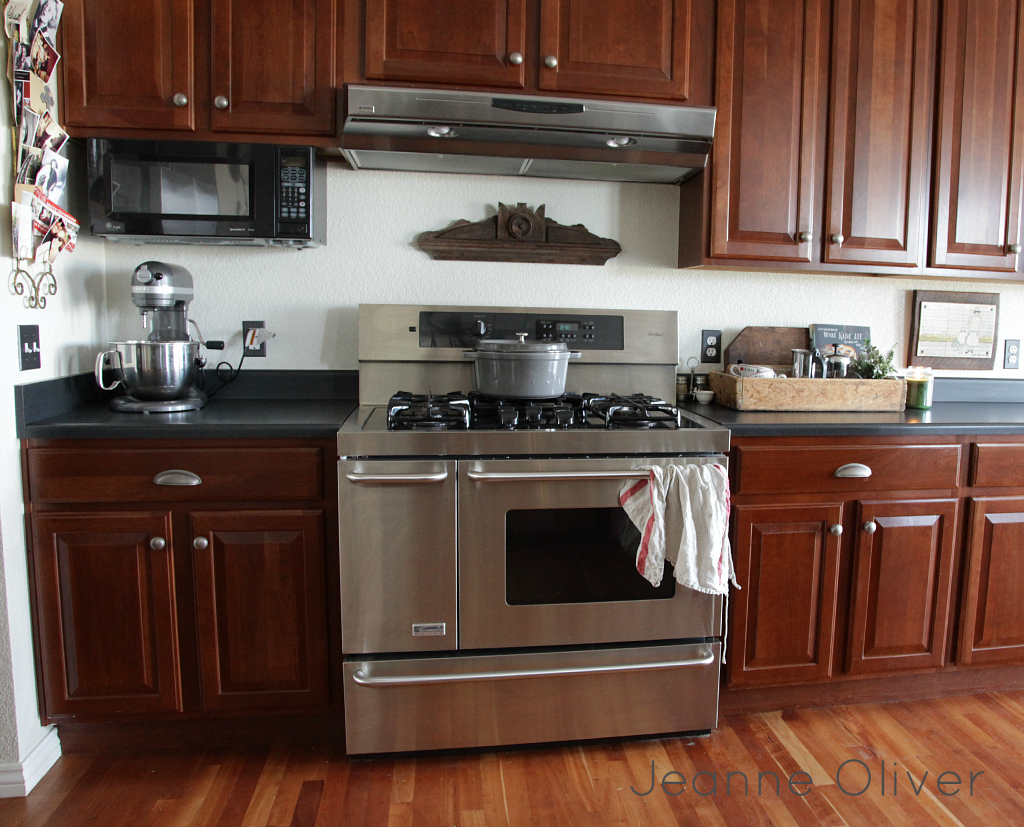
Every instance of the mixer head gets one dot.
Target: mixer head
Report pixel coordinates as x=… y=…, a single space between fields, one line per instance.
x=159 y=286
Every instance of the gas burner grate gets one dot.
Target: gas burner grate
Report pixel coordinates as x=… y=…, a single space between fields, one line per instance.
x=560 y=413
x=428 y=412
x=638 y=411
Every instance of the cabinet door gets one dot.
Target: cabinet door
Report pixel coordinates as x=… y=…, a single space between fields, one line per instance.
x=767 y=165
x=980 y=140
x=901 y=585
x=272 y=66
x=105 y=604
x=128 y=63
x=468 y=42
x=260 y=608
x=992 y=629
x=878 y=164
x=783 y=618
x=605 y=46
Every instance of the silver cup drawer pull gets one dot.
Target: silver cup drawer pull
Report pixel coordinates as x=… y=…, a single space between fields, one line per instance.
x=177 y=477
x=853 y=469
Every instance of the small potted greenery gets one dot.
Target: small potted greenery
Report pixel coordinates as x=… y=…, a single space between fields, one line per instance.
x=872 y=364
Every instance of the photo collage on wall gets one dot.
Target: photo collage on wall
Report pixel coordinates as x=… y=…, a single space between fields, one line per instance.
x=41 y=227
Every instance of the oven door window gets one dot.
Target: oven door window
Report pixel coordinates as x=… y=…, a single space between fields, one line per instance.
x=189 y=189
x=575 y=555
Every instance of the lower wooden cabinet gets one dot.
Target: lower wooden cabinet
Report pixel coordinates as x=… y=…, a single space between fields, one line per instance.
x=260 y=608
x=992 y=629
x=105 y=595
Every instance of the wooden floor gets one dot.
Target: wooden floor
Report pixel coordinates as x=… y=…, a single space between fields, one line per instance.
x=979 y=735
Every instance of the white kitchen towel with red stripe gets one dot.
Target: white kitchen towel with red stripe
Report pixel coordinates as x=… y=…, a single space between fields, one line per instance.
x=682 y=512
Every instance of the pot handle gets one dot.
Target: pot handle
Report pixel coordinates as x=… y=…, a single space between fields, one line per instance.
x=100 y=360
x=469 y=354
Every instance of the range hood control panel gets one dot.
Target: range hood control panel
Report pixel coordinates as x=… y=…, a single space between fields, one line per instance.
x=464 y=329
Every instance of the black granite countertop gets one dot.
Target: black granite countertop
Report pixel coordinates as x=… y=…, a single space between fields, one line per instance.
x=261 y=405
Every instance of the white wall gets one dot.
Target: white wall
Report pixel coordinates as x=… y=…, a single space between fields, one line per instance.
x=310 y=297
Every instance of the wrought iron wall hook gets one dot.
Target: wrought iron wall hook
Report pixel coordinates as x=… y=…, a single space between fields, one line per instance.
x=34 y=288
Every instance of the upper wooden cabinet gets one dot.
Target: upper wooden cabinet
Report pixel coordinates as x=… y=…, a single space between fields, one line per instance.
x=980 y=137
x=204 y=69
x=780 y=192
x=657 y=49
x=478 y=42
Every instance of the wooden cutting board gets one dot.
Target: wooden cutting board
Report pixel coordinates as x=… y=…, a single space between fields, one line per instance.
x=767 y=346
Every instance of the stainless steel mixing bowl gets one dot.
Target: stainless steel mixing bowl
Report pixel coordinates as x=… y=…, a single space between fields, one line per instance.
x=150 y=371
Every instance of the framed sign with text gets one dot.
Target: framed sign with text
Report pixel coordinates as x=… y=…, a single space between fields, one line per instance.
x=954 y=331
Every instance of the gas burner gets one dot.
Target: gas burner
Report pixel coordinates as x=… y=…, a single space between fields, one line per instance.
x=428 y=412
x=561 y=413
x=638 y=411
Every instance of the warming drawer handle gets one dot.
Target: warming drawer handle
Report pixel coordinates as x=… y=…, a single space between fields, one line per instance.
x=361 y=678
x=517 y=476
x=177 y=477
x=439 y=476
x=853 y=469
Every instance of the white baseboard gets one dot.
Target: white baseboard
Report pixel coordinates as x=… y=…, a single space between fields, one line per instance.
x=16 y=780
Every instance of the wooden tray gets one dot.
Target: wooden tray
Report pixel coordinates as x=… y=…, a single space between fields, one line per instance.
x=748 y=394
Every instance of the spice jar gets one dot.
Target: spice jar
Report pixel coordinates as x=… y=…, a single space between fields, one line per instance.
x=920 y=385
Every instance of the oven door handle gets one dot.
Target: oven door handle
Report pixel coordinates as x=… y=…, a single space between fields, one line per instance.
x=439 y=476
x=518 y=476
x=360 y=677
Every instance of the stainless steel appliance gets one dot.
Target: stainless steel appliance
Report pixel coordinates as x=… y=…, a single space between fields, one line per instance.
x=158 y=373
x=189 y=192
x=489 y=592
x=432 y=130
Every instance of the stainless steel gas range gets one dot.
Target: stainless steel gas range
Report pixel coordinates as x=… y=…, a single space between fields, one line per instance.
x=489 y=589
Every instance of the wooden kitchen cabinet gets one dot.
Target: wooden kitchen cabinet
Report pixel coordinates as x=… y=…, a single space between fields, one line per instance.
x=210 y=596
x=651 y=49
x=105 y=597
x=779 y=192
x=201 y=68
x=979 y=137
x=840 y=574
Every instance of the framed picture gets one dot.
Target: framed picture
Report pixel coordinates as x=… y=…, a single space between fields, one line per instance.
x=954 y=331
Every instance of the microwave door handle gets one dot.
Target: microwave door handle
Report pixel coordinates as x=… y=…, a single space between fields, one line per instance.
x=519 y=476
x=705 y=657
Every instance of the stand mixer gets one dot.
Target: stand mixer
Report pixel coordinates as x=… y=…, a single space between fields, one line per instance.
x=159 y=372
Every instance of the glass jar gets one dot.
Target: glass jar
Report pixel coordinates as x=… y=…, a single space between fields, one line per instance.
x=920 y=386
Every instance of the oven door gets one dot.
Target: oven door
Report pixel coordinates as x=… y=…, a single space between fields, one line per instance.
x=547 y=558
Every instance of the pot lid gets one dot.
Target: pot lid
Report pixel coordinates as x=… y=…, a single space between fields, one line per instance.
x=520 y=345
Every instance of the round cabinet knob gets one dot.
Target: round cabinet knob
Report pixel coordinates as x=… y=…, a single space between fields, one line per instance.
x=180 y=99
x=870 y=527
x=1014 y=248
x=551 y=61
x=806 y=236
x=200 y=543
x=158 y=544
x=515 y=58
x=836 y=530
x=220 y=102
x=838 y=238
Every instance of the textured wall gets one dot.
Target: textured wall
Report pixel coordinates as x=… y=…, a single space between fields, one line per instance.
x=310 y=297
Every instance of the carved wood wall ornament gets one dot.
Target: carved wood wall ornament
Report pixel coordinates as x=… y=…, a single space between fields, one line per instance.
x=518 y=234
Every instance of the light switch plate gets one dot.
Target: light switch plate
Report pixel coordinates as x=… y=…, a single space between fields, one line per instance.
x=711 y=346
x=1011 y=354
x=28 y=346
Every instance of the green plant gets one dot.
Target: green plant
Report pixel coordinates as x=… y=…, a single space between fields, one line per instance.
x=871 y=364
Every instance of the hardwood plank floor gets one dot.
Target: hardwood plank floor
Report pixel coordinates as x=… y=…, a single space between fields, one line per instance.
x=954 y=762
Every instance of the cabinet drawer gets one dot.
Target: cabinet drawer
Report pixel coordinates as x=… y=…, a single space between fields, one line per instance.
x=997 y=465
x=129 y=475
x=813 y=470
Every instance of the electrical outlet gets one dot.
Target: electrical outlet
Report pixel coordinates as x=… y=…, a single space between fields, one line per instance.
x=28 y=346
x=711 y=346
x=1011 y=354
x=252 y=345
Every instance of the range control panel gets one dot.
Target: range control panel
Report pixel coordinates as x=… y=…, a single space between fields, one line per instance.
x=465 y=329
x=293 y=190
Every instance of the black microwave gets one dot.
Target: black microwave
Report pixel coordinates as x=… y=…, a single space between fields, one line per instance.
x=179 y=192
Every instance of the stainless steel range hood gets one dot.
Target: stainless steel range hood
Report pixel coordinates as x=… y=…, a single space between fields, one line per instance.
x=427 y=130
